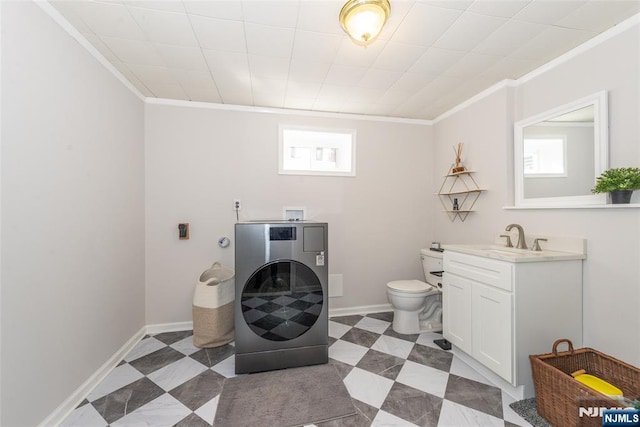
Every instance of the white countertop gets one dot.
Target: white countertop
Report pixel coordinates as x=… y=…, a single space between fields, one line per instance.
x=503 y=253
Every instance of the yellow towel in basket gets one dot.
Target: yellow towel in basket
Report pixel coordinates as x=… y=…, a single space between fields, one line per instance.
x=597 y=384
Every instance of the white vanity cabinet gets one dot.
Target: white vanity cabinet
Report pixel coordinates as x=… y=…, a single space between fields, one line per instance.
x=500 y=312
x=492 y=328
x=456 y=310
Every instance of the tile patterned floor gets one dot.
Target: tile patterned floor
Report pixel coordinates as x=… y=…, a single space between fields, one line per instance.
x=393 y=379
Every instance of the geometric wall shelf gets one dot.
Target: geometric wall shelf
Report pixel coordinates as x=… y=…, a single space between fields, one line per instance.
x=458 y=193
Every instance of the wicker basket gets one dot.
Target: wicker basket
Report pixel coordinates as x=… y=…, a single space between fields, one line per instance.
x=559 y=396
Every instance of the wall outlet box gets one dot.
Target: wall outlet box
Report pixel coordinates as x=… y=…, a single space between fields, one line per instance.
x=335 y=285
x=293 y=213
x=183 y=231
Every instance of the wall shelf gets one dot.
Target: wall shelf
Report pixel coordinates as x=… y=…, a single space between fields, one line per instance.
x=603 y=206
x=460 y=187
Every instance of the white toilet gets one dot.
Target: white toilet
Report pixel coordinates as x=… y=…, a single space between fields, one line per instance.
x=417 y=305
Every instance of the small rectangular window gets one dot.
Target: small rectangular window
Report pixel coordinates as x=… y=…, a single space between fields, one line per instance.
x=310 y=151
x=545 y=157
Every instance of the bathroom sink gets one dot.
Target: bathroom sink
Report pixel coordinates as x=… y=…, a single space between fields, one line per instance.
x=513 y=254
x=501 y=251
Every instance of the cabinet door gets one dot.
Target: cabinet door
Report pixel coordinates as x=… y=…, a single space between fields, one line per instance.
x=456 y=311
x=492 y=330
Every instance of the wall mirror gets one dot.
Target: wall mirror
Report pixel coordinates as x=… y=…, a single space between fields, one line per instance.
x=559 y=154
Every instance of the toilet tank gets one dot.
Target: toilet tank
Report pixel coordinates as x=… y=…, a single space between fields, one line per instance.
x=432 y=263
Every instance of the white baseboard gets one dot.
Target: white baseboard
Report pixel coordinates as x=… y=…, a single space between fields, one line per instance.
x=63 y=411
x=187 y=326
x=363 y=309
x=169 y=327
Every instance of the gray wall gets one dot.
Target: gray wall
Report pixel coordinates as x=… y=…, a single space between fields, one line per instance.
x=72 y=215
x=75 y=205
x=611 y=271
x=199 y=160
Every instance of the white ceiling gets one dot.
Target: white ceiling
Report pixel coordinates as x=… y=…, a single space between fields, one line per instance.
x=431 y=55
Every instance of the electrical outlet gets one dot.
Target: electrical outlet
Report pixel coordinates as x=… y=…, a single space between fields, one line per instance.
x=237 y=205
x=183 y=231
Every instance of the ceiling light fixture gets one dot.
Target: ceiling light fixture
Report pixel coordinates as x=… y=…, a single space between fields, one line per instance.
x=363 y=20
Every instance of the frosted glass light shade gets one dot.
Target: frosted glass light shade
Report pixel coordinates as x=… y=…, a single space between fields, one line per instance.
x=363 y=20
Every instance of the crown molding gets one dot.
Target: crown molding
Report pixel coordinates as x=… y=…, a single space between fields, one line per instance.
x=496 y=87
x=600 y=38
x=62 y=21
x=284 y=111
x=589 y=44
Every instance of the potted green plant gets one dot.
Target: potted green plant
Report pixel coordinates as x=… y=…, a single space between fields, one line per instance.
x=620 y=183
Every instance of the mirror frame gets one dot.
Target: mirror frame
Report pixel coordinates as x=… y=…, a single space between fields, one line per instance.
x=601 y=152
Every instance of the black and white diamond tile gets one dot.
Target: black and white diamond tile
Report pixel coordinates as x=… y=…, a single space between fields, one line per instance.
x=393 y=379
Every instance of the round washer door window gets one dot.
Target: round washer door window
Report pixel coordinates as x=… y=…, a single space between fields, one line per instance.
x=282 y=300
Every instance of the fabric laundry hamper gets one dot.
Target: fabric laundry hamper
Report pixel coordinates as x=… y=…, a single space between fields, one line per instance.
x=213 y=307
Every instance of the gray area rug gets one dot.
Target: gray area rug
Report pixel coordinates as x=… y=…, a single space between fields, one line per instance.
x=527 y=409
x=288 y=397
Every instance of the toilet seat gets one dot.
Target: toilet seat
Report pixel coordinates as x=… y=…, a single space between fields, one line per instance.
x=409 y=286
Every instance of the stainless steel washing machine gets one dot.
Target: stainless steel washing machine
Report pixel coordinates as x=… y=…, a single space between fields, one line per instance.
x=281 y=305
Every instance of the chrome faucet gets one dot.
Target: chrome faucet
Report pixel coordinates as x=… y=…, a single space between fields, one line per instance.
x=521 y=242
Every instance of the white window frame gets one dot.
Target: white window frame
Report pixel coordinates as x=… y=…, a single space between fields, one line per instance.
x=283 y=146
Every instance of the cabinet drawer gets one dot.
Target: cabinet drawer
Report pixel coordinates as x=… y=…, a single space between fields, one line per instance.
x=483 y=270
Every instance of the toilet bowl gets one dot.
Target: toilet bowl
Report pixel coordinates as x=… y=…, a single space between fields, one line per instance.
x=417 y=305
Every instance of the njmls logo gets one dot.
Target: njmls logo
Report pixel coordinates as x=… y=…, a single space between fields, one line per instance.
x=591 y=411
x=621 y=417
x=611 y=414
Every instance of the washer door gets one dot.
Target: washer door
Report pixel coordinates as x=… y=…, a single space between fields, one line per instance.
x=282 y=300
